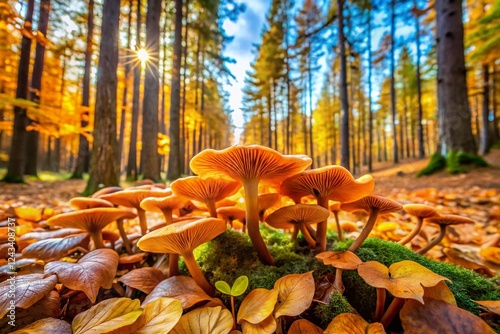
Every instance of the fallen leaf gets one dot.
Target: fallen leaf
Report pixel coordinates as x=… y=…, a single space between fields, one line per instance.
x=54 y=249
x=28 y=289
x=47 y=325
x=295 y=294
x=349 y=323
x=94 y=270
x=60 y=233
x=440 y=291
x=182 y=288
x=257 y=305
x=205 y=320
x=267 y=326
x=343 y=260
x=106 y=316
x=28 y=213
x=143 y=279
x=492 y=305
x=437 y=316
x=491 y=254
x=459 y=258
x=302 y=326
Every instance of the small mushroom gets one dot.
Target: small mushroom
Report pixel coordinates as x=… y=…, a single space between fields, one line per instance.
x=81 y=203
x=443 y=221
x=104 y=191
x=299 y=215
x=208 y=191
x=265 y=201
x=250 y=165
x=91 y=220
x=182 y=238
x=164 y=204
x=421 y=211
x=335 y=208
x=230 y=213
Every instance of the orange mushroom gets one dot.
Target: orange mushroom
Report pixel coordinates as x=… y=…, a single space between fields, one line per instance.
x=91 y=220
x=209 y=190
x=340 y=260
x=230 y=213
x=182 y=238
x=335 y=208
x=421 y=211
x=327 y=183
x=81 y=203
x=265 y=201
x=107 y=190
x=299 y=215
x=250 y=165
x=164 y=204
x=443 y=222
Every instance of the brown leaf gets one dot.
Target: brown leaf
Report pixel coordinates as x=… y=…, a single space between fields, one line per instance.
x=205 y=320
x=343 y=260
x=143 y=279
x=348 y=323
x=257 y=305
x=459 y=258
x=492 y=305
x=94 y=270
x=159 y=316
x=47 y=325
x=54 y=249
x=28 y=289
x=60 y=233
x=267 y=326
x=302 y=326
x=182 y=288
x=437 y=316
x=295 y=294
x=440 y=291
x=491 y=254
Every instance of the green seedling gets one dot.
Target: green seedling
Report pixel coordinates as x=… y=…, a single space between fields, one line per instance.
x=240 y=285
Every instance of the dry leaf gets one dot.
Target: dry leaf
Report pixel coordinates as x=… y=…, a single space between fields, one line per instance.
x=60 y=233
x=491 y=254
x=404 y=279
x=28 y=213
x=54 y=249
x=107 y=316
x=94 y=270
x=47 y=325
x=143 y=279
x=182 y=288
x=459 y=258
x=205 y=320
x=348 y=323
x=28 y=290
x=267 y=326
x=492 y=305
x=302 y=326
x=440 y=291
x=295 y=294
x=343 y=260
x=257 y=305
x=437 y=317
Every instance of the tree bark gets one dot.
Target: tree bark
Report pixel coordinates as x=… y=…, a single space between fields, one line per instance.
x=421 y=149
x=370 y=113
x=393 y=83
x=485 y=142
x=344 y=111
x=104 y=170
x=150 y=160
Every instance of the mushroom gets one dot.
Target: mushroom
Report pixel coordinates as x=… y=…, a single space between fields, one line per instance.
x=91 y=220
x=265 y=201
x=326 y=183
x=335 y=208
x=81 y=203
x=209 y=190
x=182 y=238
x=132 y=199
x=443 y=221
x=340 y=260
x=230 y=213
x=164 y=204
x=249 y=165
x=225 y=202
x=421 y=211
x=104 y=191
x=298 y=215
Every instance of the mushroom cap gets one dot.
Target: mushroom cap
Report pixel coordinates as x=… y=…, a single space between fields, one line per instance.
x=420 y=210
x=383 y=204
x=330 y=182
x=232 y=213
x=346 y=260
x=297 y=214
x=132 y=198
x=265 y=201
x=91 y=220
x=252 y=162
x=110 y=235
x=163 y=203
x=104 y=191
x=450 y=220
x=183 y=237
x=335 y=206
x=225 y=202
x=81 y=203
x=194 y=187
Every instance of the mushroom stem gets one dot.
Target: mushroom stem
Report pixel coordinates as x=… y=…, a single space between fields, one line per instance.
x=306 y=235
x=97 y=237
x=338 y=284
x=142 y=220
x=251 y=188
x=123 y=235
x=311 y=230
x=322 y=228
x=173 y=264
x=366 y=231
x=196 y=273
x=167 y=213
x=379 y=309
x=339 y=229
x=392 y=310
x=295 y=232
x=435 y=241
x=210 y=203
x=413 y=232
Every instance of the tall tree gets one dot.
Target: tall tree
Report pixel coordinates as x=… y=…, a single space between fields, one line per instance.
x=344 y=101
x=393 y=83
x=150 y=160
x=104 y=168
x=420 y=125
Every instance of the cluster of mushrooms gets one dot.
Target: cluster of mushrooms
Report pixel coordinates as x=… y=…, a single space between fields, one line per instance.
x=221 y=174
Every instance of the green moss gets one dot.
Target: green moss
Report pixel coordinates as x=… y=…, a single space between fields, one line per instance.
x=453 y=165
x=436 y=163
x=338 y=304
x=471 y=159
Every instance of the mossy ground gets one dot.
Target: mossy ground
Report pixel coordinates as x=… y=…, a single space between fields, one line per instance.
x=454 y=162
x=231 y=255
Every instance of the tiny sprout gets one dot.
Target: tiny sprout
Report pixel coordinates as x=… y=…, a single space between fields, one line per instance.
x=240 y=285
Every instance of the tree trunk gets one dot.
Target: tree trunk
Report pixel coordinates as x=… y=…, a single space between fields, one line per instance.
x=184 y=139
x=455 y=133
x=104 y=170
x=174 y=158
x=370 y=113
x=344 y=111
x=421 y=149
x=393 y=83
x=485 y=143
x=150 y=160
x=82 y=160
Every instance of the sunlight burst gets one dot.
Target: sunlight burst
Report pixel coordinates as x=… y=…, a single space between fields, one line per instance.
x=143 y=55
